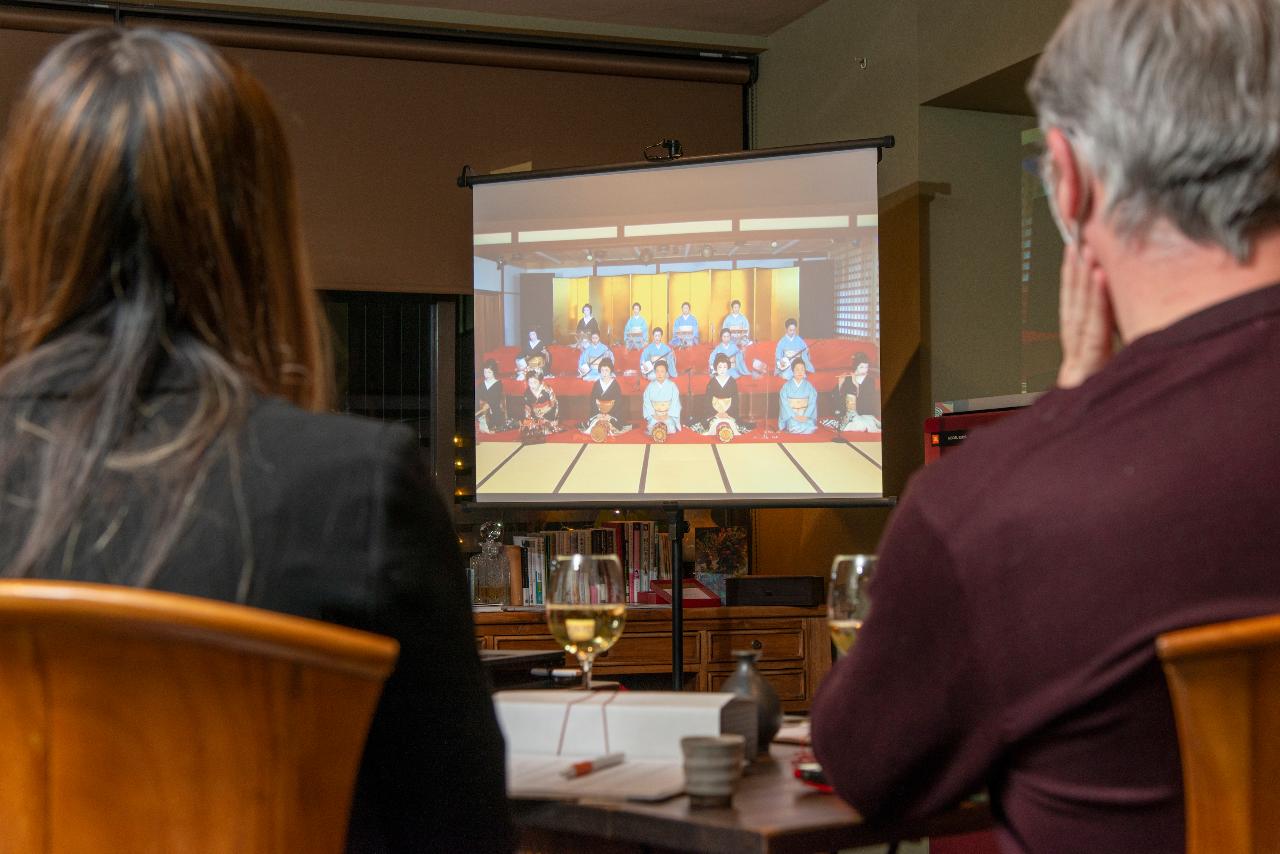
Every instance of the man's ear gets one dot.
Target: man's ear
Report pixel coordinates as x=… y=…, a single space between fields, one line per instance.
x=1070 y=183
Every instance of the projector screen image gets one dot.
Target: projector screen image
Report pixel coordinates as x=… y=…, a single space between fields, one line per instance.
x=697 y=332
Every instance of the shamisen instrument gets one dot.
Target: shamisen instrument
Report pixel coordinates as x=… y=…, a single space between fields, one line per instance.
x=646 y=367
x=591 y=364
x=789 y=358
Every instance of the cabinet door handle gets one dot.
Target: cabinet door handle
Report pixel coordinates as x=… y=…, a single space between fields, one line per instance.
x=756 y=644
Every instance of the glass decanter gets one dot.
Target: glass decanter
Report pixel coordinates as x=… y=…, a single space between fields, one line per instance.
x=490 y=569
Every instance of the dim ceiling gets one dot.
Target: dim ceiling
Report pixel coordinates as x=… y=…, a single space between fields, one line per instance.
x=740 y=17
x=741 y=24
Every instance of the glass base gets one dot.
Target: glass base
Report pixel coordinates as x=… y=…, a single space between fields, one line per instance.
x=710 y=801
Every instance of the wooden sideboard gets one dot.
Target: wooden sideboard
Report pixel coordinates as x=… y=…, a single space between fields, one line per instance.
x=794 y=646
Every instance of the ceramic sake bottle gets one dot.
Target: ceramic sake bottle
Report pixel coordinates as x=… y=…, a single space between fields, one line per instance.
x=747 y=682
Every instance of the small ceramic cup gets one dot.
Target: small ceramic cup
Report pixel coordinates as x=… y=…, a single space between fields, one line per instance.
x=712 y=766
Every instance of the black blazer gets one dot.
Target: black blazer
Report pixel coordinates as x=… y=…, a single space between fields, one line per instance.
x=336 y=520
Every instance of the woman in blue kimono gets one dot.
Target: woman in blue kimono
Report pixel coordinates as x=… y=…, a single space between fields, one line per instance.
x=684 y=329
x=594 y=353
x=636 y=329
x=799 y=403
x=661 y=404
x=658 y=349
x=790 y=347
x=726 y=347
x=736 y=322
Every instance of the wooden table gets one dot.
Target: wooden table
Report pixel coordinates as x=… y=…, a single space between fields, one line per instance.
x=512 y=669
x=772 y=813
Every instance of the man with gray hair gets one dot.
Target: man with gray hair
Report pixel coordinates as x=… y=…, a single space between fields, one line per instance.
x=1023 y=579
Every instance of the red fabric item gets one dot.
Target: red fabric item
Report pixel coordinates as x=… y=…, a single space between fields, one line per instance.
x=638 y=436
x=831 y=358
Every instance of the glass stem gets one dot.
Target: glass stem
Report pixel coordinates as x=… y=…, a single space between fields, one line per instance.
x=586 y=671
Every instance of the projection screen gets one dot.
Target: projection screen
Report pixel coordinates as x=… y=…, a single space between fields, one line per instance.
x=693 y=332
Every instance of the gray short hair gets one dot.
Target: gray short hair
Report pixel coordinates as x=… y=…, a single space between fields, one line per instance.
x=1175 y=106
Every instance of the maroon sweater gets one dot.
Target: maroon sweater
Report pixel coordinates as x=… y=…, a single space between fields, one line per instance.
x=1023 y=581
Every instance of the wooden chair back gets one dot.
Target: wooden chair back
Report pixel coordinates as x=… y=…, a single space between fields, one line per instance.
x=1225 y=683
x=139 y=721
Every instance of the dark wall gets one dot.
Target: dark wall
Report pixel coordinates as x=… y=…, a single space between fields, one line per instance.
x=536 y=307
x=381 y=128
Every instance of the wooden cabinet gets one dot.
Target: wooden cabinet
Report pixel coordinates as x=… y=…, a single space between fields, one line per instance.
x=794 y=646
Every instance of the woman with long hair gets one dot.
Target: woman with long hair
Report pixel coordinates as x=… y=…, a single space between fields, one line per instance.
x=162 y=373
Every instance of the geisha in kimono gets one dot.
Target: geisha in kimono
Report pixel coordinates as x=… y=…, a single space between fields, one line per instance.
x=608 y=407
x=790 y=347
x=726 y=347
x=534 y=357
x=636 y=329
x=661 y=404
x=491 y=402
x=799 y=403
x=541 y=410
x=655 y=351
x=684 y=329
x=721 y=399
x=592 y=355
x=857 y=401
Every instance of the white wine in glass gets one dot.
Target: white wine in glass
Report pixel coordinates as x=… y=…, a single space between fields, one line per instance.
x=586 y=606
x=847 y=601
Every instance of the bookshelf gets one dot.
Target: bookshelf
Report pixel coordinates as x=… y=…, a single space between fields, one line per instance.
x=531 y=521
x=643 y=550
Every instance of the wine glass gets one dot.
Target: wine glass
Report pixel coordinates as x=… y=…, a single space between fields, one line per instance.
x=847 y=601
x=586 y=606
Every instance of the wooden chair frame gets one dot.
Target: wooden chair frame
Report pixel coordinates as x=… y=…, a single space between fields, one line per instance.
x=141 y=721
x=1224 y=680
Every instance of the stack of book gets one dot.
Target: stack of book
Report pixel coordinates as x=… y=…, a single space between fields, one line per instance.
x=643 y=551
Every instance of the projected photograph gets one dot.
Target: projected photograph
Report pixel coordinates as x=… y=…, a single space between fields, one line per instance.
x=690 y=332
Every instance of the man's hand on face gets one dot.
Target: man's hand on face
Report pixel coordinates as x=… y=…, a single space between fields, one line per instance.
x=1084 y=316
